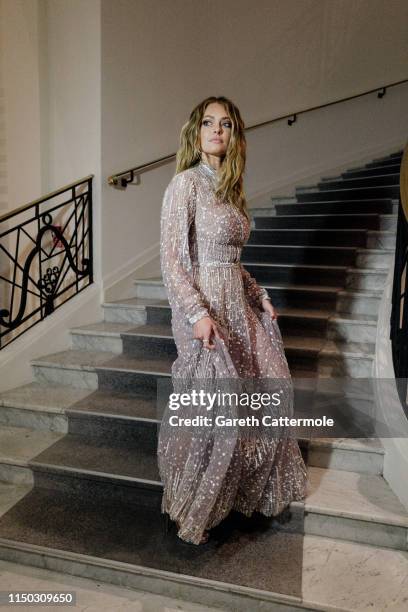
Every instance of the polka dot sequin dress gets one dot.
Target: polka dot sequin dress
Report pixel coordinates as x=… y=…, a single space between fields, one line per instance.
x=207 y=471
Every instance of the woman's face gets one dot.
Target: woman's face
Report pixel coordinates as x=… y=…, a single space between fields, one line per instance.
x=216 y=127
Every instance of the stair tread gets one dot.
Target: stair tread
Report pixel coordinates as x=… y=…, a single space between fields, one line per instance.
x=358 y=293
x=363 y=271
x=369 y=445
x=91 y=360
x=355 y=318
x=370 y=251
x=18 y=445
x=10 y=494
x=45 y=398
x=304 y=247
x=353 y=494
x=79 y=359
x=269 y=285
x=103 y=327
x=59 y=399
x=349 y=348
x=302 y=563
x=366 y=201
x=286 y=311
x=334 y=215
x=293 y=265
x=309 y=229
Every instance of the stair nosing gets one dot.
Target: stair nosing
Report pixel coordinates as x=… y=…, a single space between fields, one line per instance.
x=309 y=507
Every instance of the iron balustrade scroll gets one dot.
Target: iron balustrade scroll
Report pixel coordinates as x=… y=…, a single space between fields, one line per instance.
x=46 y=257
x=399 y=309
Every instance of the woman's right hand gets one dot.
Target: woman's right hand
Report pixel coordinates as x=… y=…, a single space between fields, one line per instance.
x=204 y=328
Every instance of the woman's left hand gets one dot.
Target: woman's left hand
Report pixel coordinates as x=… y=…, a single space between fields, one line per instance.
x=268 y=307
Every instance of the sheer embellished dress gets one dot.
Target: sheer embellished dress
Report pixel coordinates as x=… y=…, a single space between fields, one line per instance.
x=207 y=471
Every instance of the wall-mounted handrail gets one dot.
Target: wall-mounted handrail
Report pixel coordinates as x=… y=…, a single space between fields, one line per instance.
x=399 y=310
x=123 y=178
x=46 y=256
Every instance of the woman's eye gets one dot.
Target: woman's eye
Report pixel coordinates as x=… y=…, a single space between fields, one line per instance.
x=227 y=124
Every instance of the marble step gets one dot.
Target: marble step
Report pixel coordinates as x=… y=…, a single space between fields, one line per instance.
x=309 y=237
x=283 y=294
x=18 y=445
x=293 y=321
x=266 y=218
x=299 y=254
x=352 y=328
x=366 y=279
x=293 y=273
x=343 y=359
x=365 y=194
x=340 y=503
x=352 y=455
x=110 y=414
x=367 y=172
x=361 y=508
x=359 y=302
x=311 y=573
x=357 y=182
x=396 y=155
x=372 y=258
x=37 y=406
x=381 y=164
x=379 y=239
x=390 y=168
x=308 y=205
x=155 y=342
x=147 y=357
x=70 y=368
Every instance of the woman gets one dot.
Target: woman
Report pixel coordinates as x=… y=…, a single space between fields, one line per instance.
x=225 y=329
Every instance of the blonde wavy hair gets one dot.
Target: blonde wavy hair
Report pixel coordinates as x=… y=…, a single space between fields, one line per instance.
x=230 y=183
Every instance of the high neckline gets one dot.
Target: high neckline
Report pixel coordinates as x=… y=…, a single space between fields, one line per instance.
x=207 y=168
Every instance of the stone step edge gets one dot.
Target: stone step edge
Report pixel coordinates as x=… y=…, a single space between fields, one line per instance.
x=340 y=177
x=144 y=578
x=312 y=313
x=388 y=215
x=287 y=287
x=292 y=199
x=158 y=485
x=56 y=410
x=132 y=329
x=306 y=246
x=311 y=229
x=357 y=249
x=363 y=271
x=291 y=345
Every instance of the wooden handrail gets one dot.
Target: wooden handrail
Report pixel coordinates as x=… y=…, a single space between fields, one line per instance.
x=121 y=179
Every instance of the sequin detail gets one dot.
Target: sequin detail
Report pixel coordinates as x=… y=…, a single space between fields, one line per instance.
x=204 y=476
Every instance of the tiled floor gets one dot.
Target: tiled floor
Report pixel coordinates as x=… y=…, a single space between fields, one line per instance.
x=91 y=596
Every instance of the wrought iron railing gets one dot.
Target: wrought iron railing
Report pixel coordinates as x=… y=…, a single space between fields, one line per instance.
x=45 y=257
x=399 y=310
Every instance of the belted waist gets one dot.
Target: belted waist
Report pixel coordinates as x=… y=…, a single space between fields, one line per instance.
x=216 y=264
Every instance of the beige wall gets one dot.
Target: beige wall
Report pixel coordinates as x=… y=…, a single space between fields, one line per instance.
x=21 y=69
x=271 y=57
x=3 y=164
x=95 y=86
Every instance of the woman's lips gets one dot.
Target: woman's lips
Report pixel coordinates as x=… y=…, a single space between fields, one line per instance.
x=216 y=140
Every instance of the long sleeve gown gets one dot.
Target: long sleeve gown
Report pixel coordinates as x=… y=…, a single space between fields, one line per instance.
x=209 y=471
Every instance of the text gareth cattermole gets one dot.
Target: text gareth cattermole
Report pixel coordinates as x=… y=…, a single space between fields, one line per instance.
x=203 y=398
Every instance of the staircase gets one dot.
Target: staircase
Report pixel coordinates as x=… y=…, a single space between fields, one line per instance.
x=80 y=490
